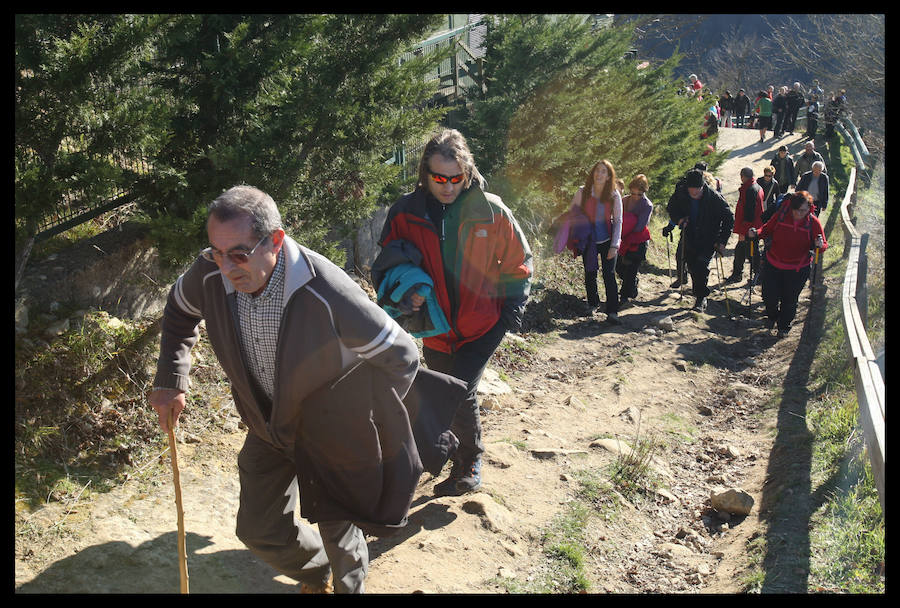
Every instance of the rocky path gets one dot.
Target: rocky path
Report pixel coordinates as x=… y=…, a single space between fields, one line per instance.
x=704 y=388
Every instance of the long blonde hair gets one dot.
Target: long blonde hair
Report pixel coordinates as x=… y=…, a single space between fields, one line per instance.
x=606 y=195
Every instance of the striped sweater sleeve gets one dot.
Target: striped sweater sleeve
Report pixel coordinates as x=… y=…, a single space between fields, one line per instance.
x=181 y=317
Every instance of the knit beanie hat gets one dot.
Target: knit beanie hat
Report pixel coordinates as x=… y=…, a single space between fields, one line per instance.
x=694 y=179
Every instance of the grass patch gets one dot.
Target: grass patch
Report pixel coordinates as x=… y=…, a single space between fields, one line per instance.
x=632 y=474
x=848 y=540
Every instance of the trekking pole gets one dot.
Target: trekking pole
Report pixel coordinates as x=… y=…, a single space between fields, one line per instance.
x=812 y=282
x=669 y=258
x=680 y=264
x=182 y=548
x=750 y=284
x=720 y=271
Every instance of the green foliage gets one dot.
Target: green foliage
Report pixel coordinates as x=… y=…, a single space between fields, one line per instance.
x=561 y=98
x=849 y=542
x=62 y=426
x=79 y=104
x=305 y=107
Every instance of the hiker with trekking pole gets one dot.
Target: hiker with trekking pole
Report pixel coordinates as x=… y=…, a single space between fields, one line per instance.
x=747 y=213
x=795 y=238
x=706 y=222
x=680 y=189
x=313 y=365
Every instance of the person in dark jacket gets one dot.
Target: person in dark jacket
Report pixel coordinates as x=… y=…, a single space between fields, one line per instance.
x=804 y=161
x=833 y=109
x=779 y=111
x=793 y=233
x=794 y=103
x=680 y=190
x=748 y=212
x=816 y=183
x=283 y=321
x=784 y=169
x=706 y=221
x=726 y=105
x=741 y=108
x=472 y=247
x=771 y=191
x=812 y=116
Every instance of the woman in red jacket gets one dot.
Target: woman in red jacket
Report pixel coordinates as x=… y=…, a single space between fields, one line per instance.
x=636 y=212
x=793 y=232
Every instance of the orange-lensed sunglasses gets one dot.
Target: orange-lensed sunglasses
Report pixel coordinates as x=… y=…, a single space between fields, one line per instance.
x=443 y=179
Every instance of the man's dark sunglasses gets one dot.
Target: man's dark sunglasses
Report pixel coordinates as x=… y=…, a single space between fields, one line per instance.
x=237 y=257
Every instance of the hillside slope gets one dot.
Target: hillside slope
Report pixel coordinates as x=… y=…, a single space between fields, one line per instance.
x=718 y=397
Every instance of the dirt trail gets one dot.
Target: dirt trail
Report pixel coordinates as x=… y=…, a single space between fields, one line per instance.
x=704 y=390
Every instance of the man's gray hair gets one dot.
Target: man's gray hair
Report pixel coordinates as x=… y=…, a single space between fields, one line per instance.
x=251 y=202
x=818 y=164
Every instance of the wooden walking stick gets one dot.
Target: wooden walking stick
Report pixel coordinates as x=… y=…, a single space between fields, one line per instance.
x=182 y=548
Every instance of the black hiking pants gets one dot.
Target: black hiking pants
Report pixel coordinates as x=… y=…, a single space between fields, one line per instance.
x=591 y=266
x=780 y=291
x=467 y=364
x=627 y=268
x=741 y=254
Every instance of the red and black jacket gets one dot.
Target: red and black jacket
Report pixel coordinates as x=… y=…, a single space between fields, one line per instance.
x=493 y=262
x=789 y=243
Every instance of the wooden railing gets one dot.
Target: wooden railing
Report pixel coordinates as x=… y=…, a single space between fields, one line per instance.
x=869 y=381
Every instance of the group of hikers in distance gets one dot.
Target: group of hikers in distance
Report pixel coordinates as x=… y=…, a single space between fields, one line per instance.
x=341 y=414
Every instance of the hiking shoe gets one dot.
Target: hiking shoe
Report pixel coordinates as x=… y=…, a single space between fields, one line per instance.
x=471 y=479
x=677 y=283
x=448 y=486
x=770 y=324
x=782 y=333
x=613 y=319
x=325 y=587
x=700 y=304
x=734 y=279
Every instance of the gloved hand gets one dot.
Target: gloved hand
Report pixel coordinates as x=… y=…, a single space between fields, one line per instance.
x=667 y=230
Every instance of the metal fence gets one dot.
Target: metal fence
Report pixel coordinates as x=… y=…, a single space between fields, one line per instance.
x=455 y=75
x=77 y=205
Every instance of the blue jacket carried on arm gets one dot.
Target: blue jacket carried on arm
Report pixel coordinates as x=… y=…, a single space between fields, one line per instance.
x=394 y=292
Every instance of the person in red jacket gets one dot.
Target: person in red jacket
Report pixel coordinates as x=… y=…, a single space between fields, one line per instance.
x=472 y=247
x=793 y=232
x=636 y=212
x=747 y=213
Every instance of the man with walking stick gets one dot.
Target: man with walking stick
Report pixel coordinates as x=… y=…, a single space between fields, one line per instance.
x=706 y=222
x=282 y=320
